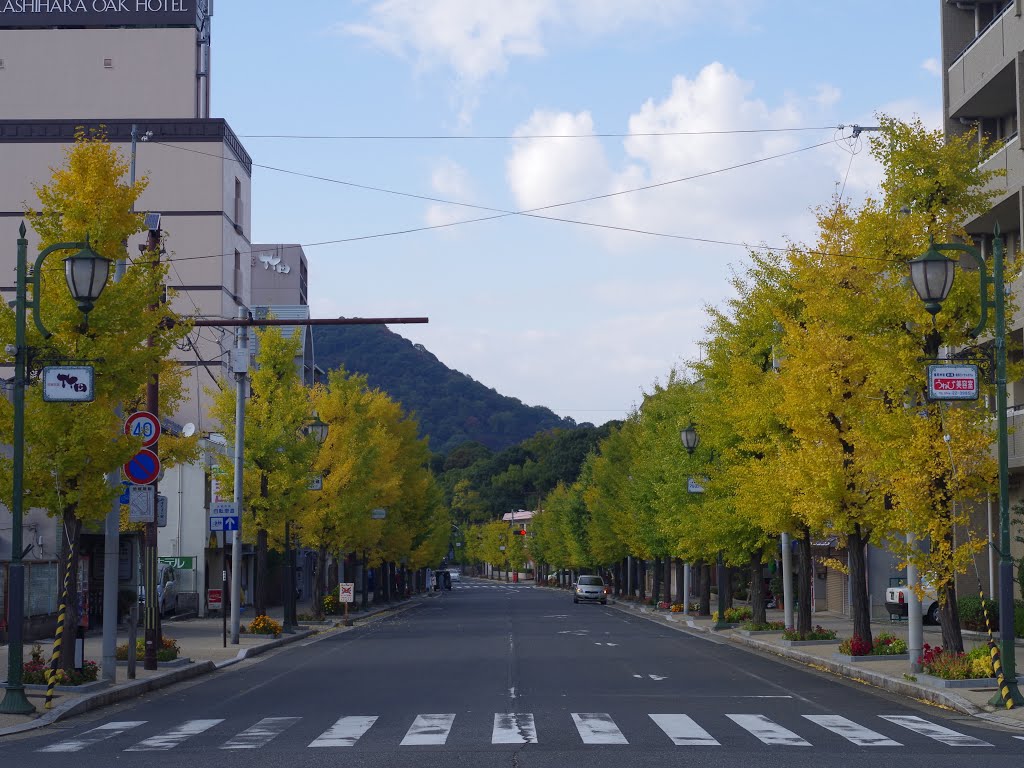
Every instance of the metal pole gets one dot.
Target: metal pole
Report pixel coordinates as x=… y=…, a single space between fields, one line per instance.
x=241 y=352
x=722 y=576
x=915 y=630
x=787 y=581
x=686 y=589
x=1006 y=605
x=152 y=616
x=112 y=525
x=15 y=702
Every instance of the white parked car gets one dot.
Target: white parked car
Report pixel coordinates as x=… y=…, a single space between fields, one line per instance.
x=897 y=602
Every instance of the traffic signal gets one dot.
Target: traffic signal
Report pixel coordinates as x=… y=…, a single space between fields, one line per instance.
x=521 y=532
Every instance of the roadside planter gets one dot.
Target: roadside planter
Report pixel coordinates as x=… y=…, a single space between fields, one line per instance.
x=96 y=685
x=800 y=643
x=755 y=632
x=870 y=657
x=976 y=682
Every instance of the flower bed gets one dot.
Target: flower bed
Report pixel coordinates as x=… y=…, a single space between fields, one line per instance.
x=168 y=651
x=264 y=625
x=949 y=665
x=885 y=644
x=37 y=672
x=818 y=634
x=768 y=626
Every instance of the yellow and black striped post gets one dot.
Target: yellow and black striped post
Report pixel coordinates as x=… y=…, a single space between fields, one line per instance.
x=993 y=648
x=51 y=673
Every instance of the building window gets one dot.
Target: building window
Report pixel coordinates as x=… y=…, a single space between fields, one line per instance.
x=238 y=274
x=238 y=206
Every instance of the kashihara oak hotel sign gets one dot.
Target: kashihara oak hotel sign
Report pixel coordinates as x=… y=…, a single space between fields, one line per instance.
x=100 y=13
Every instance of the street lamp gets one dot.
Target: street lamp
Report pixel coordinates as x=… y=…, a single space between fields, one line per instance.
x=932 y=276
x=316 y=429
x=691 y=440
x=86 y=274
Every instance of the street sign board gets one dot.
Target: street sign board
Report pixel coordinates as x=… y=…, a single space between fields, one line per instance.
x=68 y=384
x=145 y=425
x=214 y=599
x=125 y=485
x=693 y=486
x=378 y=514
x=161 y=511
x=144 y=467
x=346 y=593
x=223 y=509
x=316 y=483
x=224 y=523
x=180 y=563
x=140 y=503
x=953 y=382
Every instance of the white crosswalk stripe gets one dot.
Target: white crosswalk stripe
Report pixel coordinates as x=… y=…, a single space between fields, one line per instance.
x=767 y=731
x=849 y=730
x=933 y=731
x=261 y=733
x=174 y=737
x=684 y=731
x=429 y=729
x=513 y=728
x=344 y=733
x=598 y=728
x=594 y=728
x=91 y=737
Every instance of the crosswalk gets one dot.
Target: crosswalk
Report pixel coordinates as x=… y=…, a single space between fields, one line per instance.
x=591 y=728
x=510 y=587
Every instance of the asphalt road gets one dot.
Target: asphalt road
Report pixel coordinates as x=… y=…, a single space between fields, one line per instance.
x=495 y=675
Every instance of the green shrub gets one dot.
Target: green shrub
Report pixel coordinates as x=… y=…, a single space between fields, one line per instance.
x=971 y=615
x=169 y=651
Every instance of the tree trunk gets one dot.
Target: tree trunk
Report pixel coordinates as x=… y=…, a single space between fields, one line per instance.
x=704 y=569
x=260 y=587
x=656 y=586
x=681 y=596
x=668 y=578
x=365 y=582
x=861 y=607
x=642 y=578
x=68 y=569
x=949 y=616
x=758 y=604
x=803 y=591
x=320 y=583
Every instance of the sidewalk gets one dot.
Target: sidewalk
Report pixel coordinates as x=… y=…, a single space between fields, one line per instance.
x=201 y=651
x=893 y=676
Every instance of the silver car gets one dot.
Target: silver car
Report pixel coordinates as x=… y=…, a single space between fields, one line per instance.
x=590 y=589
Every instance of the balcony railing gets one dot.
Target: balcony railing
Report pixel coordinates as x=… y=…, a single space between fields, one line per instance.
x=981 y=34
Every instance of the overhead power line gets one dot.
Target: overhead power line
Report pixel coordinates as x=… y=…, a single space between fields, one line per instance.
x=501 y=137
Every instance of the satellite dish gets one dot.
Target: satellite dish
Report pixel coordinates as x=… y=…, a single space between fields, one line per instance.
x=188 y=430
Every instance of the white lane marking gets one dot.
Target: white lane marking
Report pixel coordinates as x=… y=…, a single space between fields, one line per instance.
x=767 y=731
x=573 y=631
x=513 y=728
x=260 y=734
x=639 y=677
x=684 y=731
x=345 y=732
x=763 y=697
x=851 y=731
x=174 y=737
x=91 y=737
x=598 y=728
x=657 y=677
x=927 y=728
x=429 y=729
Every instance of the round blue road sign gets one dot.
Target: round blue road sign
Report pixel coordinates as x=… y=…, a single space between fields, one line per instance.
x=143 y=468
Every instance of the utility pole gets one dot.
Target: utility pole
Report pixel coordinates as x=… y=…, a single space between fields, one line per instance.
x=112 y=524
x=152 y=618
x=240 y=367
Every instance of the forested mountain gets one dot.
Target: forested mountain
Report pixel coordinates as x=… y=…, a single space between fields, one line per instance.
x=451 y=407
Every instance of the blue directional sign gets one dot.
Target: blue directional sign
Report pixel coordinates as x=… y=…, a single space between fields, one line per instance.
x=125 y=493
x=223 y=523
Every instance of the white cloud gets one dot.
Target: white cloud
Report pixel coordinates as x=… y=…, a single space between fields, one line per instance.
x=754 y=203
x=932 y=67
x=827 y=96
x=476 y=39
x=451 y=181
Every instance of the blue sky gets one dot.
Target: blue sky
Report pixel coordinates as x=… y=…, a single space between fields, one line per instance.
x=578 y=318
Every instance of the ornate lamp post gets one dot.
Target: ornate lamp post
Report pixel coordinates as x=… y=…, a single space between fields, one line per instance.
x=86 y=273
x=691 y=440
x=932 y=275
x=317 y=430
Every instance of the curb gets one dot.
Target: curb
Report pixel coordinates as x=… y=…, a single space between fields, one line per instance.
x=859 y=674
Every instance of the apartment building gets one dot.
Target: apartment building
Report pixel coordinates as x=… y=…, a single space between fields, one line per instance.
x=118 y=66
x=983 y=95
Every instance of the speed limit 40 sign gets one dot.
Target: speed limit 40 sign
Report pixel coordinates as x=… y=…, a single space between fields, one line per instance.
x=145 y=425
